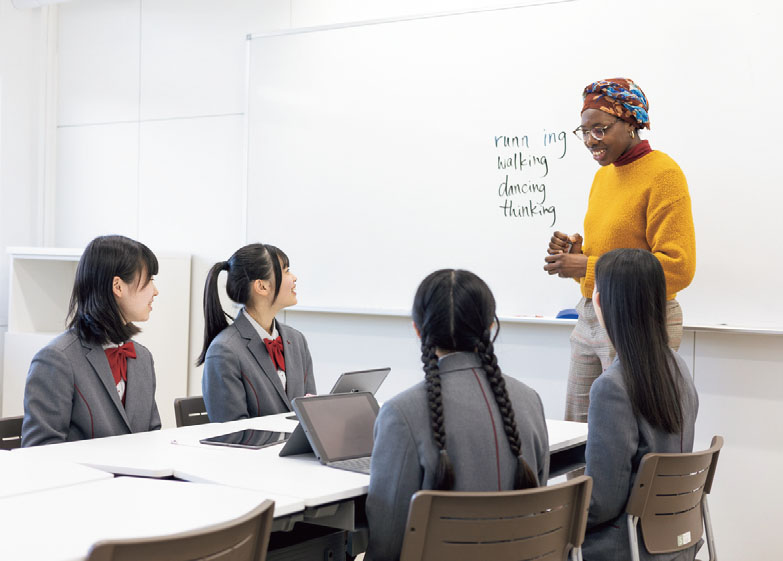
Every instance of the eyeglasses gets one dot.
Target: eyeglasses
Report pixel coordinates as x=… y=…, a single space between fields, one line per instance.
x=596 y=132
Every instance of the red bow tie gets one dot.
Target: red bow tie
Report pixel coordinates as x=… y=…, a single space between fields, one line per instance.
x=118 y=360
x=275 y=349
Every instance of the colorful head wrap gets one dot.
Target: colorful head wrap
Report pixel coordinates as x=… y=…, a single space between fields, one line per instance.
x=619 y=97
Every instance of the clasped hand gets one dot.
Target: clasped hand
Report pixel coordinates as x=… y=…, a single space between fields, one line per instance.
x=565 y=258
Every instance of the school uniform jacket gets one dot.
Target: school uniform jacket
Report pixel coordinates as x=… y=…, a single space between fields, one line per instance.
x=617 y=440
x=405 y=457
x=241 y=381
x=70 y=394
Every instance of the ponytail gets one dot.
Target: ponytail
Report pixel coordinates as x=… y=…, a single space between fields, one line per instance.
x=247 y=264
x=444 y=474
x=524 y=477
x=214 y=316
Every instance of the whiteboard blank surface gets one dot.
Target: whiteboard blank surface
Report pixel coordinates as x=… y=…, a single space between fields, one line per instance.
x=374 y=149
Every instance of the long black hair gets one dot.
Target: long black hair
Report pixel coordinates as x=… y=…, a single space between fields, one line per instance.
x=632 y=295
x=93 y=312
x=246 y=265
x=454 y=311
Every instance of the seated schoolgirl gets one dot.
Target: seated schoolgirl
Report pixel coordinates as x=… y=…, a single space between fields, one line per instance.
x=466 y=427
x=644 y=402
x=93 y=380
x=256 y=365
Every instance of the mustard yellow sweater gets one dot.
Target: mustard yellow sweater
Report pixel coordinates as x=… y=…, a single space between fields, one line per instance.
x=646 y=205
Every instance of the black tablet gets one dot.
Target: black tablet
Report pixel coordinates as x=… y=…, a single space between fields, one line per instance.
x=249 y=438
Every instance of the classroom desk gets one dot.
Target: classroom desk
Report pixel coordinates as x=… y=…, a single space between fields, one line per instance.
x=51 y=526
x=327 y=493
x=312 y=492
x=21 y=474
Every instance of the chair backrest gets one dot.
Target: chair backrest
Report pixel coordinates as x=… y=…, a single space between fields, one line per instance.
x=190 y=411
x=667 y=497
x=10 y=433
x=544 y=523
x=243 y=539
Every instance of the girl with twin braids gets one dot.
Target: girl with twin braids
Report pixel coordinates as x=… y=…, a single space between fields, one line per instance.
x=466 y=427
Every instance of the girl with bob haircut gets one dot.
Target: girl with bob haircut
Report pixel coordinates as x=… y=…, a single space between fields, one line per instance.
x=256 y=365
x=466 y=427
x=644 y=402
x=93 y=380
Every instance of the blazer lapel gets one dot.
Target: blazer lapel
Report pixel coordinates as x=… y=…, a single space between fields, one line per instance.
x=97 y=359
x=294 y=384
x=257 y=348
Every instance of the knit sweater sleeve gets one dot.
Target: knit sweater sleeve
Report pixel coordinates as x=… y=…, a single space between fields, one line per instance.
x=670 y=232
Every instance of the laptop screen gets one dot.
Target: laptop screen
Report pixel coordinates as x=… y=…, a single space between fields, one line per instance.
x=360 y=381
x=339 y=426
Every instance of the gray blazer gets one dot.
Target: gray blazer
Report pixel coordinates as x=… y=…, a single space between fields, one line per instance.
x=240 y=380
x=617 y=440
x=405 y=458
x=70 y=394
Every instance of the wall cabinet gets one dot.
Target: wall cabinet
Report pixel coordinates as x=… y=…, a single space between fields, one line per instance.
x=40 y=286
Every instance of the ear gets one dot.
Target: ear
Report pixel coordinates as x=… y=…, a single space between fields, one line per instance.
x=260 y=287
x=596 y=299
x=117 y=287
x=416 y=329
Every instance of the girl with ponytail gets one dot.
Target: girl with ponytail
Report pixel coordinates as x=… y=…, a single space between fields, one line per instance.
x=256 y=365
x=645 y=401
x=466 y=427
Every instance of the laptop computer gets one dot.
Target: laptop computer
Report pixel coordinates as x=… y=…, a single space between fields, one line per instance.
x=358 y=381
x=338 y=428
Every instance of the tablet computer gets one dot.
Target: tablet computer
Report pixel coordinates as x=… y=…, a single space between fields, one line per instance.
x=339 y=428
x=248 y=438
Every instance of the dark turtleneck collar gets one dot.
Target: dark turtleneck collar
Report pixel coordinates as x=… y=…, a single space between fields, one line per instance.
x=641 y=149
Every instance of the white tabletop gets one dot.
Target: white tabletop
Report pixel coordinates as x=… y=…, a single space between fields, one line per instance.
x=51 y=525
x=565 y=434
x=177 y=452
x=300 y=476
x=21 y=474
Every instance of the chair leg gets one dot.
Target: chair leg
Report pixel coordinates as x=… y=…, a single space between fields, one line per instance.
x=705 y=511
x=632 y=537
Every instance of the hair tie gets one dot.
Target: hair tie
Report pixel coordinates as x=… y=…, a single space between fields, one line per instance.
x=225 y=266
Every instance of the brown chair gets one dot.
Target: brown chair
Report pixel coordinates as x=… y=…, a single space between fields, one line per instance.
x=190 y=411
x=545 y=523
x=669 y=501
x=243 y=539
x=10 y=433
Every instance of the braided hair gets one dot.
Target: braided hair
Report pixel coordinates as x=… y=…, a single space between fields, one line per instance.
x=453 y=311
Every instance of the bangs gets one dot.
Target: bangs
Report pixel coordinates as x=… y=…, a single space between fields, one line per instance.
x=146 y=262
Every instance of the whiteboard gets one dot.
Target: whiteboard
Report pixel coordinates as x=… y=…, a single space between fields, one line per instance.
x=379 y=152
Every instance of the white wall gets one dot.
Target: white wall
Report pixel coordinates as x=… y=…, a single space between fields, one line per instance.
x=150 y=120
x=22 y=68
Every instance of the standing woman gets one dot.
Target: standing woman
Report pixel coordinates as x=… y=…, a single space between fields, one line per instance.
x=466 y=427
x=639 y=199
x=93 y=380
x=256 y=365
x=644 y=402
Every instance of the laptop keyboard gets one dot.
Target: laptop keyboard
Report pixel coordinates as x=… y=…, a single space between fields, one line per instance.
x=359 y=465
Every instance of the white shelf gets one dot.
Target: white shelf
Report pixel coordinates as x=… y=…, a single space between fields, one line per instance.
x=41 y=280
